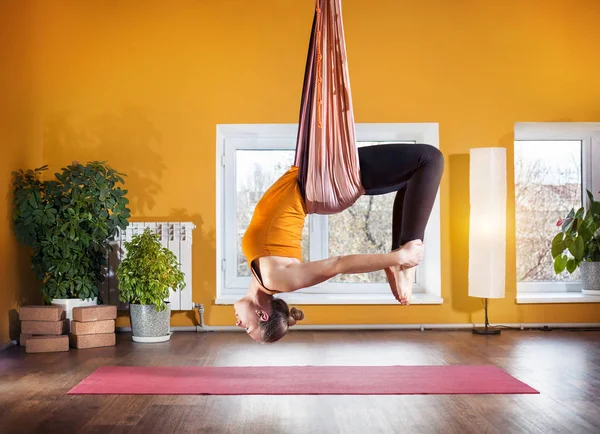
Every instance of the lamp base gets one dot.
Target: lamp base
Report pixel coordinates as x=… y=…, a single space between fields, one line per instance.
x=486 y=331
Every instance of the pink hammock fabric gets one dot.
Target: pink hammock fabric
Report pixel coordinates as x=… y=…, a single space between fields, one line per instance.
x=326 y=151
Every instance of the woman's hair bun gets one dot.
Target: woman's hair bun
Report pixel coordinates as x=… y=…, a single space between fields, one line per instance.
x=295 y=315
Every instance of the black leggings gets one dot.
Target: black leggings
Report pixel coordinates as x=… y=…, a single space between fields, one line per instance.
x=414 y=172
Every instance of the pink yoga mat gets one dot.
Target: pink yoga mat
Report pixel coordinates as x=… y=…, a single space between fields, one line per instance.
x=299 y=380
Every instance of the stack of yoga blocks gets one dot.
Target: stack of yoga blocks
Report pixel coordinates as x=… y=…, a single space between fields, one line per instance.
x=44 y=329
x=93 y=326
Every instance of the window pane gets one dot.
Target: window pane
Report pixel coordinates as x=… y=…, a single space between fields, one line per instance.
x=256 y=171
x=547 y=186
x=365 y=227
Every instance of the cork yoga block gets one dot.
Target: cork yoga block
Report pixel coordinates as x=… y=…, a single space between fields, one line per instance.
x=47 y=344
x=92 y=327
x=41 y=313
x=45 y=327
x=93 y=341
x=23 y=339
x=94 y=313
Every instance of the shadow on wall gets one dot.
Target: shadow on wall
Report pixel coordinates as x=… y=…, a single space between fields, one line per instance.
x=126 y=139
x=26 y=289
x=29 y=289
x=459 y=235
x=14 y=325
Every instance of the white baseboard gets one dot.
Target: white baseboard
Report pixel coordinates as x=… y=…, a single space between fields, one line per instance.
x=422 y=327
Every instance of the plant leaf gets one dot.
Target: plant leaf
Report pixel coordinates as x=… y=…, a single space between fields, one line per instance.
x=558 y=245
x=596 y=208
x=586 y=234
x=577 y=248
x=560 y=262
x=571 y=265
x=567 y=223
x=590 y=196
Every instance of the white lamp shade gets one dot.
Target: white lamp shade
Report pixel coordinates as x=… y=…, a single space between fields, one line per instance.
x=487 y=226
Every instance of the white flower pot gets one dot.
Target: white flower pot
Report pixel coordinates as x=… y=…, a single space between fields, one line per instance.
x=70 y=303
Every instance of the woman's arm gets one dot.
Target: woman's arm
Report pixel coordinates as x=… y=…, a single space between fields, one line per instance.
x=303 y=275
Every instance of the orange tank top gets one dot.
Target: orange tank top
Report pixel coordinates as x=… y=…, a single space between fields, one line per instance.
x=276 y=225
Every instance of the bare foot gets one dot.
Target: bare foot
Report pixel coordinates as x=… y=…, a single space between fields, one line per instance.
x=401 y=277
x=411 y=254
x=400 y=282
x=407 y=277
x=393 y=277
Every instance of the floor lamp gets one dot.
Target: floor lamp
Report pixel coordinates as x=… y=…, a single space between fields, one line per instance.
x=487 y=227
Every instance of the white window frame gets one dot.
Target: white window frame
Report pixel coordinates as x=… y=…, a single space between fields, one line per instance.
x=230 y=287
x=588 y=133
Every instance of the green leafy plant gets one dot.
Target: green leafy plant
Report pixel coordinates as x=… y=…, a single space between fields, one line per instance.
x=68 y=222
x=148 y=272
x=579 y=236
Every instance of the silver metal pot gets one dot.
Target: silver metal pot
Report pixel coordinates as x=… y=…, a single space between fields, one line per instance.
x=147 y=322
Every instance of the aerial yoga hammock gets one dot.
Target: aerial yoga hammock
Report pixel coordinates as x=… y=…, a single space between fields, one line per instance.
x=326 y=151
x=329 y=174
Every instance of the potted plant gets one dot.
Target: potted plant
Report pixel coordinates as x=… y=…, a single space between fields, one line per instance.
x=147 y=274
x=578 y=245
x=68 y=223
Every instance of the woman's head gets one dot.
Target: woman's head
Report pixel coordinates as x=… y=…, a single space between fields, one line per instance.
x=281 y=319
x=266 y=322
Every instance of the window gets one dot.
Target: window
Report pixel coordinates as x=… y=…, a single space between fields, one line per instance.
x=252 y=157
x=554 y=165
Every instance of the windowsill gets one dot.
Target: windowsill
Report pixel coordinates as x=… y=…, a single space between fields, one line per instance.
x=556 y=297
x=322 y=299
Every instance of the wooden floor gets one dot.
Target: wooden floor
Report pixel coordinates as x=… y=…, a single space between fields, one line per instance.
x=563 y=365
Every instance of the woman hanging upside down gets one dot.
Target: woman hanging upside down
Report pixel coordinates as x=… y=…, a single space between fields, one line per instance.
x=272 y=242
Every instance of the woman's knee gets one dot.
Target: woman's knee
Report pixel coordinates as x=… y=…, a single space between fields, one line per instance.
x=432 y=155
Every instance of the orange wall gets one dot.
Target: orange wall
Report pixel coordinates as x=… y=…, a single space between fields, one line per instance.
x=144 y=87
x=21 y=147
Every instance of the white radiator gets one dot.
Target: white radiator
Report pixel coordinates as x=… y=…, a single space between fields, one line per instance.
x=177 y=237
